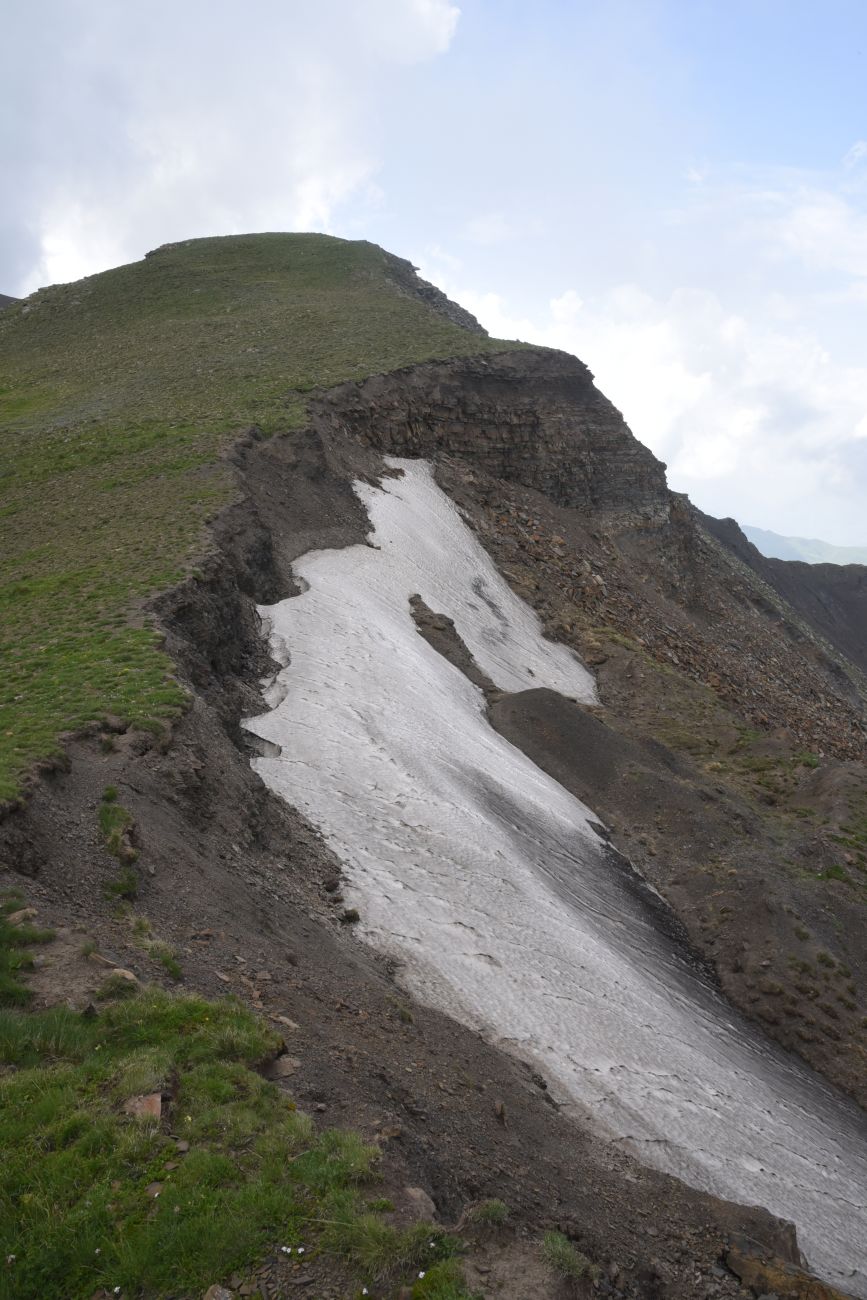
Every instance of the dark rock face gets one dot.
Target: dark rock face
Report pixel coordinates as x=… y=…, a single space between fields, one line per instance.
x=6 y=301
x=532 y=417
x=832 y=598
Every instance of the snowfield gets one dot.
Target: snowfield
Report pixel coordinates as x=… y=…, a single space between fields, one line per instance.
x=487 y=881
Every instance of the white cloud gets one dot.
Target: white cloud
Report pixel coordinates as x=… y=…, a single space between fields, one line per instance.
x=855 y=155
x=414 y=29
x=753 y=416
x=822 y=230
x=149 y=124
x=489 y=228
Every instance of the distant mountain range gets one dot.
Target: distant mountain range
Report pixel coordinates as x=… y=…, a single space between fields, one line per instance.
x=809 y=549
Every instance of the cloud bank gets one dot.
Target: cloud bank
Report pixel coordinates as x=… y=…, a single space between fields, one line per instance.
x=147 y=123
x=756 y=396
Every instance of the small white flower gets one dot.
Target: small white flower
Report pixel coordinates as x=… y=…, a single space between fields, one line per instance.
x=300 y=1250
x=421 y=1274
x=117 y=1290
x=364 y=1291
x=10 y=1259
x=98 y=1250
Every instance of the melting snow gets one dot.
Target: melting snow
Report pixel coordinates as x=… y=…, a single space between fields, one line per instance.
x=485 y=878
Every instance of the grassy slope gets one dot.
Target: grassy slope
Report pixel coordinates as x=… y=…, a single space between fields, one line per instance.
x=117 y=395
x=78 y=1173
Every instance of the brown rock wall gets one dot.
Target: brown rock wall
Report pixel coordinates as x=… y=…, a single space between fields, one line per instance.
x=530 y=416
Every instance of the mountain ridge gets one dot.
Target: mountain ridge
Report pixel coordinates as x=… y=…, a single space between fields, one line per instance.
x=731 y=726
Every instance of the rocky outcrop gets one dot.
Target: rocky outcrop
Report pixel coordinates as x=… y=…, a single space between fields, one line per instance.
x=832 y=598
x=529 y=416
x=6 y=301
x=405 y=277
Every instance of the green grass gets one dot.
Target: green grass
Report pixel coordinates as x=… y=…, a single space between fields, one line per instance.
x=490 y=1214
x=374 y=1249
x=124 y=886
x=118 y=395
x=75 y=1211
x=167 y=958
x=565 y=1259
x=444 y=1281
x=113 y=821
x=115 y=986
x=15 y=956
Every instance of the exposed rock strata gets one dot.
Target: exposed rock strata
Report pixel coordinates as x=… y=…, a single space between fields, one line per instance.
x=532 y=417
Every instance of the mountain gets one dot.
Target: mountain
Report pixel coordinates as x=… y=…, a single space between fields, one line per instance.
x=366 y=668
x=6 y=301
x=809 y=549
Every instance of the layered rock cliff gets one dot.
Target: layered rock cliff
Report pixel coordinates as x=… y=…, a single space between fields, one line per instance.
x=532 y=417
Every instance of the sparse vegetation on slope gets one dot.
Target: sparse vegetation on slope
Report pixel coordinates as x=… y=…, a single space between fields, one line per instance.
x=145 y=1153
x=16 y=937
x=119 y=394
x=170 y=1211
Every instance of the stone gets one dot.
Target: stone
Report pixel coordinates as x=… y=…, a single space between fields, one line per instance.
x=283 y=1067
x=120 y=973
x=285 y=1021
x=98 y=960
x=766 y=1274
x=153 y=1190
x=419 y=1205
x=22 y=916
x=217 y=1293
x=147 y=1106
x=182 y=1147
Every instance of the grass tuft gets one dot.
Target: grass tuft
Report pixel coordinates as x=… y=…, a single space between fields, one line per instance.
x=116 y=824
x=377 y=1250
x=115 y=986
x=444 y=1281
x=123 y=886
x=565 y=1259
x=15 y=956
x=491 y=1214
x=162 y=953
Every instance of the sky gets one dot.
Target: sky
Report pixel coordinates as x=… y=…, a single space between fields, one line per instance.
x=673 y=190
